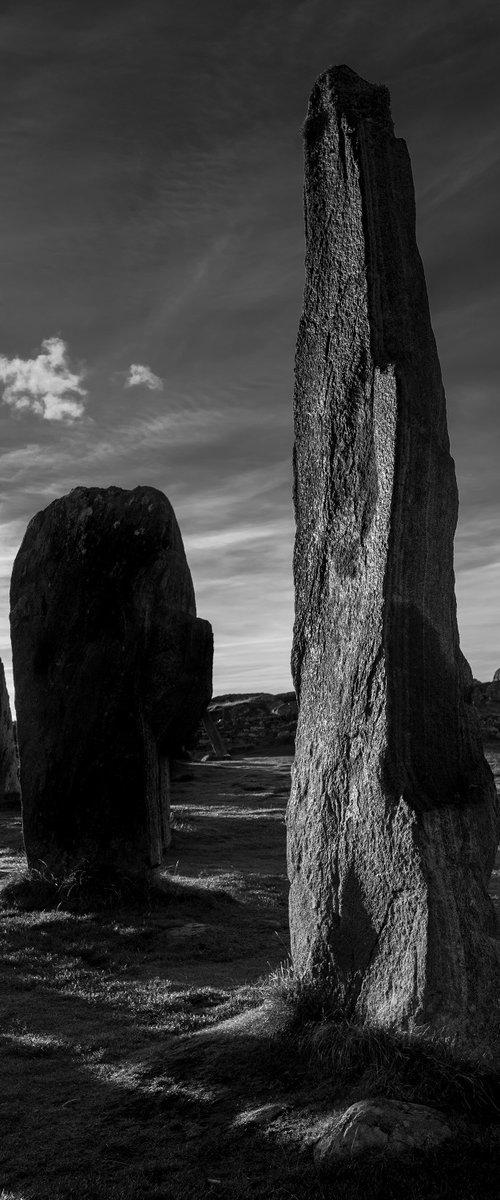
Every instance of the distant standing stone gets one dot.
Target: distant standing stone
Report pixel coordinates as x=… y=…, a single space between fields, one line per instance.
x=393 y=813
x=10 y=788
x=496 y=677
x=112 y=670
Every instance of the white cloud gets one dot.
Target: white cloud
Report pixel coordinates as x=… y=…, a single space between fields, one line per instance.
x=44 y=385
x=139 y=375
x=239 y=537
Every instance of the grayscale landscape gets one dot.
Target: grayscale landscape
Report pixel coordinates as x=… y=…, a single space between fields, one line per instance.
x=249 y=581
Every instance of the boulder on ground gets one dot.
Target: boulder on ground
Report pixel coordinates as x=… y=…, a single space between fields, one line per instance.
x=112 y=672
x=386 y=1126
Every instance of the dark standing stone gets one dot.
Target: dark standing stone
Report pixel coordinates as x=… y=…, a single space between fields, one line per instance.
x=393 y=814
x=112 y=671
x=10 y=788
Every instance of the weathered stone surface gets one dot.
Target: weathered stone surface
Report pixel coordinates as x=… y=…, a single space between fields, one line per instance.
x=393 y=813
x=386 y=1126
x=496 y=677
x=10 y=788
x=112 y=671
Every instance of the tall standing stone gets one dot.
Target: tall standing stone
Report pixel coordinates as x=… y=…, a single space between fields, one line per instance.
x=392 y=817
x=10 y=789
x=112 y=669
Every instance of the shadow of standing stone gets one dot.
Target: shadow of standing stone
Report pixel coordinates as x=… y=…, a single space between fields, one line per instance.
x=393 y=817
x=112 y=670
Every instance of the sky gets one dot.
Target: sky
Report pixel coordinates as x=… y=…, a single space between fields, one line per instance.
x=152 y=267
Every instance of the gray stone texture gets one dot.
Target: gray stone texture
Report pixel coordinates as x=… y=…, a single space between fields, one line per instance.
x=393 y=1127
x=10 y=788
x=112 y=671
x=393 y=815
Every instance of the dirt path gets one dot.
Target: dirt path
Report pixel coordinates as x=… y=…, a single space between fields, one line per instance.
x=229 y=831
x=236 y=810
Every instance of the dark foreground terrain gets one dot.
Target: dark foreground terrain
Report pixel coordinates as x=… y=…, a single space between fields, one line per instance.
x=129 y=1069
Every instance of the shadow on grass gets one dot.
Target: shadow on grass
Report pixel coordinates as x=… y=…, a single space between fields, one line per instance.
x=102 y=1098
x=194 y=1118
x=120 y=1081
x=87 y=888
x=346 y=1059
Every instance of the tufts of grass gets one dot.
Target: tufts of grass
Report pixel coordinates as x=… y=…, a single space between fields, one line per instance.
x=30 y=891
x=421 y=1066
x=85 y=886
x=90 y=886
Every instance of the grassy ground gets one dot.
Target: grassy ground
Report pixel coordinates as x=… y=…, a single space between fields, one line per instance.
x=132 y=1068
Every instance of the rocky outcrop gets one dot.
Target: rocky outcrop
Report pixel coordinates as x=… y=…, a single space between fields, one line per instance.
x=486 y=700
x=252 y=722
x=393 y=815
x=112 y=671
x=10 y=789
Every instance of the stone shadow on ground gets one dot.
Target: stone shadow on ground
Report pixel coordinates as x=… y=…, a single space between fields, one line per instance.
x=191 y=1115
x=93 y=1076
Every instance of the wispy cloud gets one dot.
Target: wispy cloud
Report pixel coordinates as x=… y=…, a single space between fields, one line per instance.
x=45 y=385
x=142 y=376
x=466 y=167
